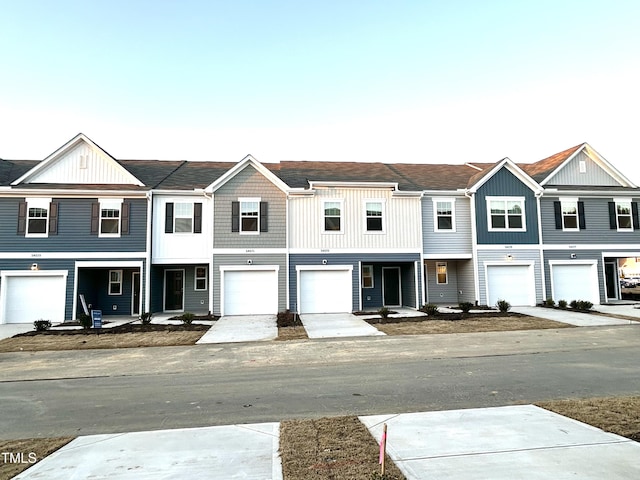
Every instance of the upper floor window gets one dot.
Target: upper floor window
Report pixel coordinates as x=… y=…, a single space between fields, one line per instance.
x=569 y=213
x=109 y=217
x=249 y=216
x=332 y=216
x=506 y=213
x=623 y=215
x=444 y=215
x=183 y=217
x=374 y=215
x=37 y=217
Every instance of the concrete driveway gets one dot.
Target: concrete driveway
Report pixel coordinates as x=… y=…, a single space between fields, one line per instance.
x=8 y=330
x=241 y=328
x=332 y=325
x=572 y=318
x=231 y=451
x=503 y=443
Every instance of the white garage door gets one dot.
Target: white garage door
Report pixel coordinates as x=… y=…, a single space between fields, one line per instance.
x=575 y=282
x=29 y=298
x=250 y=292
x=513 y=283
x=325 y=291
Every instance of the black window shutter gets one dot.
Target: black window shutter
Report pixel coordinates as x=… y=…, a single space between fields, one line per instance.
x=613 y=224
x=95 y=218
x=264 y=216
x=197 y=218
x=557 y=208
x=235 y=216
x=634 y=211
x=124 y=223
x=53 y=218
x=168 y=218
x=22 y=218
x=581 y=221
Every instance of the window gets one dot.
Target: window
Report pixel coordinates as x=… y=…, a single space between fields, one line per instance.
x=183 y=218
x=506 y=213
x=249 y=215
x=441 y=273
x=37 y=217
x=367 y=276
x=115 y=282
x=105 y=217
x=444 y=215
x=373 y=212
x=332 y=216
x=201 y=278
x=623 y=215
x=569 y=214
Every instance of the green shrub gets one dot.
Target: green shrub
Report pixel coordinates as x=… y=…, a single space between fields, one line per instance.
x=573 y=304
x=584 y=305
x=187 y=318
x=430 y=309
x=42 y=325
x=503 y=306
x=145 y=318
x=562 y=304
x=549 y=302
x=384 y=313
x=85 y=321
x=465 y=306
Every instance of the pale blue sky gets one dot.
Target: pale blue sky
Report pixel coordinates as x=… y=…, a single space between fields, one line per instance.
x=402 y=81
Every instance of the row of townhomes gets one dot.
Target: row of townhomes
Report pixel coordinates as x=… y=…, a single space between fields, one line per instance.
x=81 y=229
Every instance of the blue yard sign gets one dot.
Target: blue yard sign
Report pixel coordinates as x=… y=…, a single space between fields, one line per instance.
x=96 y=317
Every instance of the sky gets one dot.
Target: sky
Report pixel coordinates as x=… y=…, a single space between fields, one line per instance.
x=350 y=80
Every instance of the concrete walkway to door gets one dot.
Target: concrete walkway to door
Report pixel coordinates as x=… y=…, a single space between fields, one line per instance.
x=241 y=328
x=332 y=325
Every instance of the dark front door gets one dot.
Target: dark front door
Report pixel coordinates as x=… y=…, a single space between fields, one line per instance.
x=173 y=289
x=391 y=286
x=135 y=306
x=611 y=279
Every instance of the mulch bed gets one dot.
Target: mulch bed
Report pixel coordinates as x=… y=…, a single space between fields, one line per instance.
x=125 y=328
x=445 y=316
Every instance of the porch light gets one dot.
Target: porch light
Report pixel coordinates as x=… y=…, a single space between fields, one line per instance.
x=509 y=257
x=34 y=267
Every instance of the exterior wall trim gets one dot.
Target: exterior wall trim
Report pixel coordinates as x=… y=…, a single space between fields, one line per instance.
x=69 y=255
x=294 y=251
x=532 y=273
x=591 y=262
x=243 y=251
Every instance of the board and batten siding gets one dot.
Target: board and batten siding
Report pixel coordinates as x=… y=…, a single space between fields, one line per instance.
x=593 y=175
x=401 y=219
x=315 y=259
x=505 y=184
x=564 y=255
x=499 y=257
x=180 y=247
x=249 y=183
x=74 y=229
x=596 y=217
x=241 y=260
x=444 y=242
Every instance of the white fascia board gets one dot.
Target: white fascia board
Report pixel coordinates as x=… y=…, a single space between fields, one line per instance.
x=391 y=185
x=460 y=192
x=301 y=192
x=513 y=168
x=195 y=192
x=329 y=251
x=59 y=193
x=554 y=192
x=623 y=250
x=241 y=165
x=401 y=193
x=448 y=256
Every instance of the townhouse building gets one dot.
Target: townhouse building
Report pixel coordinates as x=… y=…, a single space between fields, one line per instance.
x=81 y=229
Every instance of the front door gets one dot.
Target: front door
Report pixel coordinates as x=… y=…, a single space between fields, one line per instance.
x=135 y=297
x=611 y=275
x=173 y=290
x=391 y=286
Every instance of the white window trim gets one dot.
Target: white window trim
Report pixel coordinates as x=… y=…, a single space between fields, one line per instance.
x=248 y=200
x=38 y=202
x=570 y=200
x=332 y=232
x=435 y=214
x=175 y=217
x=115 y=283
x=381 y=201
x=446 y=272
x=506 y=229
x=110 y=204
x=363 y=275
x=625 y=201
x=196 y=278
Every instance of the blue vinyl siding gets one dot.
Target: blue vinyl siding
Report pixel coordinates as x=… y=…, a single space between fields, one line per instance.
x=74 y=229
x=405 y=261
x=505 y=184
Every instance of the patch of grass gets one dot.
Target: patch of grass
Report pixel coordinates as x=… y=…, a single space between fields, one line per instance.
x=336 y=448
x=40 y=447
x=469 y=325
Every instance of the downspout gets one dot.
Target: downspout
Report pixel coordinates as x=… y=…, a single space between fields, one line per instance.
x=147 y=274
x=210 y=249
x=541 y=245
x=423 y=290
x=286 y=251
x=474 y=244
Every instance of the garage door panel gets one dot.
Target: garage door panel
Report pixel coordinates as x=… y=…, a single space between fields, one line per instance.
x=513 y=283
x=325 y=291
x=250 y=292
x=30 y=298
x=575 y=282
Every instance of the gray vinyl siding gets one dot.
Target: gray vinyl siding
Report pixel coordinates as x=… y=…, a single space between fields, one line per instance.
x=443 y=293
x=597 y=231
x=195 y=301
x=466 y=281
x=498 y=256
x=74 y=229
x=582 y=255
x=405 y=261
x=594 y=175
x=249 y=183
x=447 y=242
x=241 y=259
x=505 y=184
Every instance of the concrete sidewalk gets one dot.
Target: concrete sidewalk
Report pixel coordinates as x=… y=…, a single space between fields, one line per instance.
x=572 y=318
x=333 y=325
x=241 y=328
